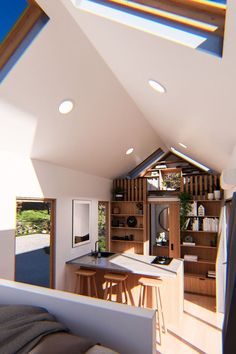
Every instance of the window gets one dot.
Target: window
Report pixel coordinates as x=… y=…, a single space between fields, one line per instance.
x=103 y=225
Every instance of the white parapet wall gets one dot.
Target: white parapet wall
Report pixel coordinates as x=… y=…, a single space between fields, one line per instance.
x=124 y=328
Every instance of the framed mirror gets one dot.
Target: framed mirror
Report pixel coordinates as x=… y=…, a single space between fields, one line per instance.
x=163 y=219
x=81 y=222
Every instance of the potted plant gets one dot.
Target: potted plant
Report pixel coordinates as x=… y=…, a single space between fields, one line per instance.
x=118 y=193
x=185 y=207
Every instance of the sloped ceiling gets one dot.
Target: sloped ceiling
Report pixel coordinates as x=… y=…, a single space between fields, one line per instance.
x=199 y=106
x=62 y=63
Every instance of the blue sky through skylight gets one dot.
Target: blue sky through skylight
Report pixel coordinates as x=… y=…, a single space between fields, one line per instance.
x=159 y=28
x=10 y=12
x=218 y=1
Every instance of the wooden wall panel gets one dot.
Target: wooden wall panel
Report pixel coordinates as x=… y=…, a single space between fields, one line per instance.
x=135 y=189
x=199 y=186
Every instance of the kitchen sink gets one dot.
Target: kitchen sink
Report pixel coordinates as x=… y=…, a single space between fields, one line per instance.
x=106 y=254
x=103 y=254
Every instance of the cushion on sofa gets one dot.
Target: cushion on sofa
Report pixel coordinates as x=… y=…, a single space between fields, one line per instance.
x=62 y=343
x=100 y=349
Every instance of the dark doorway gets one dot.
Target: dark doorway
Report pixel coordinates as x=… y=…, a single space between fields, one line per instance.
x=34 y=242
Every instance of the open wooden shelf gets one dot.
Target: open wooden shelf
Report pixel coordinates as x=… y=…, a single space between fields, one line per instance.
x=207 y=200
x=161 y=246
x=205 y=216
x=126 y=215
x=127 y=241
x=204 y=232
x=203 y=261
x=127 y=228
x=135 y=193
x=126 y=201
x=195 y=275
x=200 y=246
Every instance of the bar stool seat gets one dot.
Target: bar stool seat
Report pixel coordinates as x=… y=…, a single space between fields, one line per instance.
x=81 y=276
x=155 y=284
x=119 y=280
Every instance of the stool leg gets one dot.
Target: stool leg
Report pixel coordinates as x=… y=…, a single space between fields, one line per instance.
x=95 y=287
x=119 y=297
x=140 y=295
x=77 y=286
x=76 y=280
x=162 y=314
x=144 y=295
x=106 y=291
x=158 y=315
x=126 y=292
x=89 y=286
x=110 y=295
x=82 y=285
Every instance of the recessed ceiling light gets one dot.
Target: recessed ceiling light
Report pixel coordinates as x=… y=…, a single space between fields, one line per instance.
x=129 y=151
x=189 y=159
x=66 y=106
x=184 y=146
x=156 y=86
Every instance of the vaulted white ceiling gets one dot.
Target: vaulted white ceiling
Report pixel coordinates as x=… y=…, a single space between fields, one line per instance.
x=198 y=108
x=61 y=63
x=103 y=67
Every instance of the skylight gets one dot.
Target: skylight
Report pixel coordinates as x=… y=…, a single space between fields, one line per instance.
x=9 y=15
x=197 y=24
x=20 y=22
x=189 y=159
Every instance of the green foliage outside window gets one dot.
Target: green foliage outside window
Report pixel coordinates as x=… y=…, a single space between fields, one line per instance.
x=102 y=226
x=30 y=222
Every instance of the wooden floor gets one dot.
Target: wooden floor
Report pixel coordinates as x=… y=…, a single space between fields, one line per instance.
x=199 y=330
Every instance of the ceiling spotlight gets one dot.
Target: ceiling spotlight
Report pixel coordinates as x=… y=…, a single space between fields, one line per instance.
x=184 y=146
x=66 y=106
x=156 y=86
x=129 y=151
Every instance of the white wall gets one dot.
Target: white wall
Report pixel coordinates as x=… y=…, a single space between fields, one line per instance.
x=228 y=176
x=21 y=177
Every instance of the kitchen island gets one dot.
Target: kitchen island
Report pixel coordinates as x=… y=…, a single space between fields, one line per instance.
x=136 y=266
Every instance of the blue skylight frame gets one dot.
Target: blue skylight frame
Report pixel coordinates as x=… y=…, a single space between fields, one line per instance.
x=182 y=34
x=10 y=12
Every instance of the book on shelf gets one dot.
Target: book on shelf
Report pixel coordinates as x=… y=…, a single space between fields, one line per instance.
x=211 y=274
x=211 y=224
x=189 y=244
x=193 y=211
x=186 y=224
x=190 y=257
x=195 y=225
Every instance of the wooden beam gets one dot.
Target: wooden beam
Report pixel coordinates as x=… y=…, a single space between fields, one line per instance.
x=23 y=26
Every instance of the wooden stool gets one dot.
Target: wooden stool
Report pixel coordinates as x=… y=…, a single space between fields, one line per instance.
x=81 y=275
x=155 y=284
x=120 y=281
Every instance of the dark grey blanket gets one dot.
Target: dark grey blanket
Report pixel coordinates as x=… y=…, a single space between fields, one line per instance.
x=22 y=327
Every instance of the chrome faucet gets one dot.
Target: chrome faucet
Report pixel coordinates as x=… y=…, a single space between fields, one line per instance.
x=96 y=246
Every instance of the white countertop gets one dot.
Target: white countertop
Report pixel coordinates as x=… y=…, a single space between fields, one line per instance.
x=130 y=263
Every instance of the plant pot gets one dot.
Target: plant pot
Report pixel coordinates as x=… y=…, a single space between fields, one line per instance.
x=217 y=194
x=119 y=196
x=210 y=196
